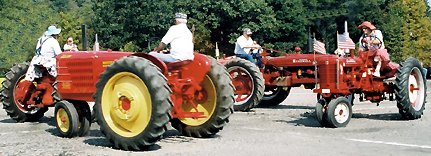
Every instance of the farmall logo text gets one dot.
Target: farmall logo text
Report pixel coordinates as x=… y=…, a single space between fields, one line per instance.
x=301 y=61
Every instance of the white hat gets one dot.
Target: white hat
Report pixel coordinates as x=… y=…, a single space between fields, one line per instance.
x=70 y=39
x=52 y=30
x=248 y=31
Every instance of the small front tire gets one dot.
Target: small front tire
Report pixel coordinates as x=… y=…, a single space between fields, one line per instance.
x=67 y=120
x=339 y=112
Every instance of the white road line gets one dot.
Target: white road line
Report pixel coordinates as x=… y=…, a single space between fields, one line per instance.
x=390 y=143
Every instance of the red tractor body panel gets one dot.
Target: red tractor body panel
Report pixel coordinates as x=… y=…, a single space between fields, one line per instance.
x=78 y=72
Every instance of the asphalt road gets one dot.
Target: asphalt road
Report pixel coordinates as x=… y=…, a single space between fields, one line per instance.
x=288 y=129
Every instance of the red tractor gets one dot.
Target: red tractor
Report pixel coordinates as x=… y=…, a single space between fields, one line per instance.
x=135 y=96
x=335 y=79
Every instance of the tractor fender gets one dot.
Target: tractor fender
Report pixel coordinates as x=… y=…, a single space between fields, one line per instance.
x=197 y=69
x=156 y=61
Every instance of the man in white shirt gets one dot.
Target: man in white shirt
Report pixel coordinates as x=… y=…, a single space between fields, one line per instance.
x=244 y=47
x=181 y=40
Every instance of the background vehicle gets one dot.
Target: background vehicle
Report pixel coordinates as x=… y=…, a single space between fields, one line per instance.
x=335 y=79
x=135 y=96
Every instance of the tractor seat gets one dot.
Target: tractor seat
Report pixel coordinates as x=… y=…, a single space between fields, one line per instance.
x=177 y=64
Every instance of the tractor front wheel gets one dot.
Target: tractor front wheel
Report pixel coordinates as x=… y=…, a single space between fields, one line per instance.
x=320 y=110
x=248 y=82
x=84 y=115
x=67 y=120
x=339 y=112
x=410 y=89
x=132 y=103
x=217 y=108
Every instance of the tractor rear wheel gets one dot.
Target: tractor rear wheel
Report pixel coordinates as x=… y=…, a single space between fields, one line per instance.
x=217 y=109
x=132 y=103
x=339 y=112
x=320 y=110
x=14 y=108
x=274 y=96
x=410 y=89
x=248 y=82
x=67 y=120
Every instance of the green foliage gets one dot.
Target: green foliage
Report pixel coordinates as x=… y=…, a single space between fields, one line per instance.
x=70 y=25
x=21 y=24
x=277 y=24
x=130 y=47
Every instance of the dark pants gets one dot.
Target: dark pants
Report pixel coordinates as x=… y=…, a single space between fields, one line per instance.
x=251 y=58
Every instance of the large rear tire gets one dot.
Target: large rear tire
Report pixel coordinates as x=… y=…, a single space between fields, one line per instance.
x=410 y=89
x=16 y=110
x=248 y=82
x=217 y=108
x=132 y=103
x=67 y=120
x=274 y=96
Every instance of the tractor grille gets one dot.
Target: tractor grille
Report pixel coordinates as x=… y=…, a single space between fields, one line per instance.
x=81 y=73
x=327 y=74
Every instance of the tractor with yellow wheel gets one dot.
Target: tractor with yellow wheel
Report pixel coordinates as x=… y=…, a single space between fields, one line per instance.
x=136 y=95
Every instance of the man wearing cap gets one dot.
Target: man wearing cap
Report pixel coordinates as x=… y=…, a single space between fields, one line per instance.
x=181 y=40
x=244 y=47
x=69 y=46
x=47 y=49
x=372 y=40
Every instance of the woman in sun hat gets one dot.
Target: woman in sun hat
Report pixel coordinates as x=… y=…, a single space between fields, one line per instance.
x=372 y=41
x=47 y=49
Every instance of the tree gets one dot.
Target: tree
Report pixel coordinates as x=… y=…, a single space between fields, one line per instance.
x=21 y=24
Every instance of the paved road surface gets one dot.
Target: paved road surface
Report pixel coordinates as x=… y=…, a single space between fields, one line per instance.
x=290 y=128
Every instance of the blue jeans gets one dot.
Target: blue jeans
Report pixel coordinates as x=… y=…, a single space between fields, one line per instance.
x=164 y=57
x=251 y=58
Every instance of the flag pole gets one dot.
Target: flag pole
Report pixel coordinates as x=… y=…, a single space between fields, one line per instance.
x=315 y=63
x=337 y=41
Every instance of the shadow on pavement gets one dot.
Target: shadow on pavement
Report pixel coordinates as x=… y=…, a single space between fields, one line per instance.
x=310 y=119
x=386 y=116
x=286 y=107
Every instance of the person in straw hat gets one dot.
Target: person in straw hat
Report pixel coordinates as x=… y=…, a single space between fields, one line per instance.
x=372 y=40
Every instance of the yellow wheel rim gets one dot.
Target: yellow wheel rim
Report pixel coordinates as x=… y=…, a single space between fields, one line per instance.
x=126 y=104
x=63 y=120
x=208 y=107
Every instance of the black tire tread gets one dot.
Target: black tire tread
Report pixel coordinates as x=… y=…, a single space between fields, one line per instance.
x=402 y=89
x=225 y=100
x=258 y=85
x=7 y=98
x=160 y=96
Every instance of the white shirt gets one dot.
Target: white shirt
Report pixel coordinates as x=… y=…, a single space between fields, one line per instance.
x=241 y=42
x=375 y=35
x=70 y=47
x=50 y=48
x=181 y=40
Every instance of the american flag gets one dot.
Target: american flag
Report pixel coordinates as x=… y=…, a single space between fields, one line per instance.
x=319 y=46
x=345 y=42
